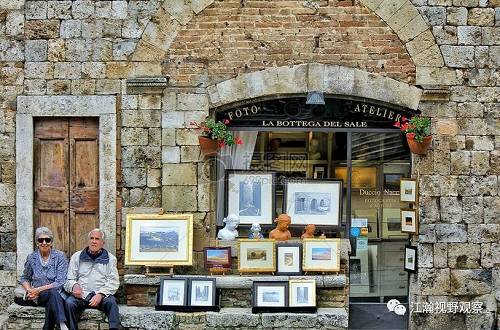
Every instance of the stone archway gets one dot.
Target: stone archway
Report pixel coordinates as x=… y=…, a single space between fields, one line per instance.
x=401 y=16
x=299 y=79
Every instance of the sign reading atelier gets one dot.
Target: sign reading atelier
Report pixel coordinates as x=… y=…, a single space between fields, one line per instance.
x=335 y=113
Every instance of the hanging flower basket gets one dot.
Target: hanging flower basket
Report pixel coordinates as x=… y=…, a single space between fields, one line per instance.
x=418 y=148
x=208 y=146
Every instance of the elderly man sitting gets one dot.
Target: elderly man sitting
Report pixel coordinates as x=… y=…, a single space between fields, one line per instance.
x=92 y=281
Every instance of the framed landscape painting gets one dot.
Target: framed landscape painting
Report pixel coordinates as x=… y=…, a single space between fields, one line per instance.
x=159 y=240
x=256 y=255
x=217 y=257
x=270 y=294
x=313 y=201
x=250 y=195
x=321 y=254
x=408 y=190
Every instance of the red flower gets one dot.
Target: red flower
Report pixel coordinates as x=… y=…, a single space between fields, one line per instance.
x=411 y=135
x=404 y=119
x=226 y=121
x=238 y=140
x=221 y=144
x=397 y=124
x=404 y=127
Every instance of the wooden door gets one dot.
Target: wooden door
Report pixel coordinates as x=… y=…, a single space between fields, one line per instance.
x=67 y=179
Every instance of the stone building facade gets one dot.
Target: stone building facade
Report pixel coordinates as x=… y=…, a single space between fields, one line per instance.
x=79 y=58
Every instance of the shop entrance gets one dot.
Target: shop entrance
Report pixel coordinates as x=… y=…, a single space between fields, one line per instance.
x=346 y=139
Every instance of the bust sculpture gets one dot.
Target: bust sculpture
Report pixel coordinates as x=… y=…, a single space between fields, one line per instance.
x=308 y=231
x=281 y=232
x=229 y=232
x=314 y=153
x=255 y=232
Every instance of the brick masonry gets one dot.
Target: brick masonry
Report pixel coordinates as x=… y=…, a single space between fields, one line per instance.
x=92 y=47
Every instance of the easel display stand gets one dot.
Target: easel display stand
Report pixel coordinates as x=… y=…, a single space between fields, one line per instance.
x=148 y=271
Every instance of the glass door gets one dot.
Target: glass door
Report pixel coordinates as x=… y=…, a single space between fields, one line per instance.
x=378 y=162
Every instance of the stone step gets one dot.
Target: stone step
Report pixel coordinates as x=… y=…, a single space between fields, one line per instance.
x=146 y=318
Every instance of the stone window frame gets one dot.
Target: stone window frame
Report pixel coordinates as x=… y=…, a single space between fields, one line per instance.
x=30 y=107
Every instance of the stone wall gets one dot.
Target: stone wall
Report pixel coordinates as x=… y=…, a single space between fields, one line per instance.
x=450 y=48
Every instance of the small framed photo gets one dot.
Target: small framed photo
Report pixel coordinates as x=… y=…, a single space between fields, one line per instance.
x=321 y=254
x=256 y=255
x=319 y=171
x=313 y=201
x=250 y=195
x=173 y=291
x=408 y=190
x=270 y=294
x=159 y=240
x=217 y=257
x=289 y=259
x=202 y=291
x=302 y=293
x=410 y=258
x=409 y=221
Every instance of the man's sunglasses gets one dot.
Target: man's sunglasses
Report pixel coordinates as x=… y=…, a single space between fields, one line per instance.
x=44 y=240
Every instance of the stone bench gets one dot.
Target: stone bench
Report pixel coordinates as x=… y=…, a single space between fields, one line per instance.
x=145 y=318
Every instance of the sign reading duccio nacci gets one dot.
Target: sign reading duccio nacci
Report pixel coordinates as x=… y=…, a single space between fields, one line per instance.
x=295 y=113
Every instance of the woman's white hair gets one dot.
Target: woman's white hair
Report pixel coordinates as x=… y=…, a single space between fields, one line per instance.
x=43 y=231
x=97 y=230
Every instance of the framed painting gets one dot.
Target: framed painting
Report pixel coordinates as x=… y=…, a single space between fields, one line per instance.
x=313 y=201
x=392 y=181
x=173 y=291
x=410 y=258
x=320 y=171
x=217 y=257
x=409 y=221
x=270 y=294
x=256 y=255
x=202 y=291
x=302 y=293
x=159 y=240
x=408 y=190
x=288 y=259
x=250 y=195
x=321 y=254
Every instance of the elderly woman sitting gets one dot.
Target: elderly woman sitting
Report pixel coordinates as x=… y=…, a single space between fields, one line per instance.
x=44 y=274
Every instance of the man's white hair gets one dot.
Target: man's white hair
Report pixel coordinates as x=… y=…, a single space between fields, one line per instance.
x=97 y=230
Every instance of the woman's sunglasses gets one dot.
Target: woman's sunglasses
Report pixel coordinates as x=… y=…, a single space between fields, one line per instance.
x=44 y=240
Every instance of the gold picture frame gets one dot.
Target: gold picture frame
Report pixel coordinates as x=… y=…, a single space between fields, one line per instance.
x=302 y=298
x=321 y=255
x=159 y=240
x=256 y=255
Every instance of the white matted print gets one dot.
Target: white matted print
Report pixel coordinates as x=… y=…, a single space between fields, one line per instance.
x=173 y=292
x=202 y=292
x=408 y=190
x=256 y=255
x=288 y=259
x=313 y=201
x=302 y=293
x=409 y=221
x=321 y=255
x=250 y=195
x=159 y=240
x=270 y=294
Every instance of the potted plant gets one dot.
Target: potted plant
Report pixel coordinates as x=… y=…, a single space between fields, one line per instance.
x=418 y=133
x=215 y=135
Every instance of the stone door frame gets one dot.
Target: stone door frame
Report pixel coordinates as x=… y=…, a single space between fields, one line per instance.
x=28 y=107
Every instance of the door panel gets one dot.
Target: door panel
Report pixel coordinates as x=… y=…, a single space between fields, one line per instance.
x=67 y=179
x=51 y=178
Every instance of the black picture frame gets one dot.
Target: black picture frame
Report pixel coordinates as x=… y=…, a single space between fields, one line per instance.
x=210 y=265
x=255 y=293
x=288 y=245
x=269 y=216
x=320 y=168
x=163 y=285
x=314 y=181
x=212 y=299
x=413 y=266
